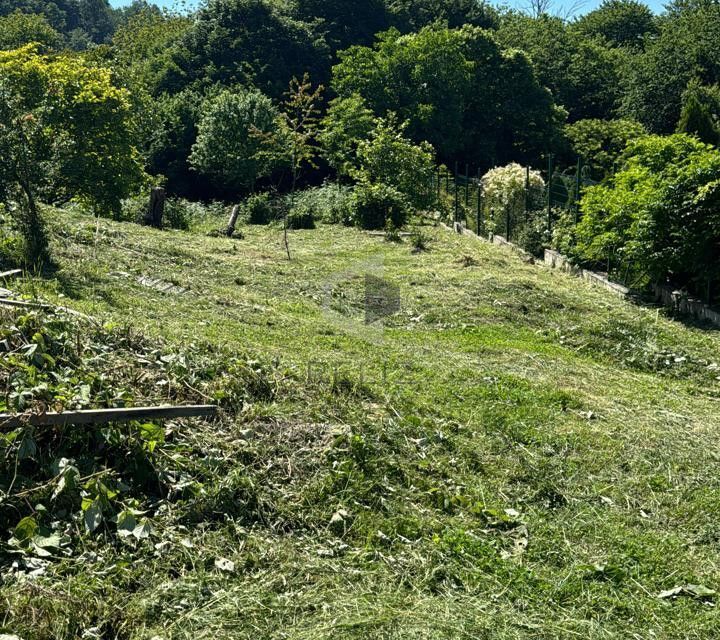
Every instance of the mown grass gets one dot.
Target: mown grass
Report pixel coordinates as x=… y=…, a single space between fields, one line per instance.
x=514 y=454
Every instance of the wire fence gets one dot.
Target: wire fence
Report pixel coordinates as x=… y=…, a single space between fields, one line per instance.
x=524 y=217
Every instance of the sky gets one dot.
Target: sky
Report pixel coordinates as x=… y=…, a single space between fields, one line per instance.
x=589 y=5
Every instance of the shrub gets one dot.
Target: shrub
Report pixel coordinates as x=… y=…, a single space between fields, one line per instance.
x=659 y=217
x=179 y=213
x=258 y=209
x=389 y=158
x=532 y=235
x=300 y=220
x=330 y=203
x=377 y=206
x=504 y=190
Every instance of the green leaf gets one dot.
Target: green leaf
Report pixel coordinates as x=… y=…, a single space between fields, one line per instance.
x=93 y=516
x=126 y=524
x=25 y=529
x=143 y=530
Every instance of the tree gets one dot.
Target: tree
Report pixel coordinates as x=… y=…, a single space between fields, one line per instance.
x=659 y=217
x=389 y=158
x=248 y=42
x=347 y=123
x=582 y=73
x=343 y=23
x=600 y=143
x=457 y=89
x=686 y=48
x=622 y=23
x=294 y=142
x=65 y=132
x=700 y=111
x=227 y=145
x=412 y=15
x=18 y=29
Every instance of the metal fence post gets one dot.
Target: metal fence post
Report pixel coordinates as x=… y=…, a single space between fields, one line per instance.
x=527 y=190
x=439 y=177
x=467 y=185
x=457 y=195
x=549 y=190
x=577 y=188
x=479 y=202
x=507 y=223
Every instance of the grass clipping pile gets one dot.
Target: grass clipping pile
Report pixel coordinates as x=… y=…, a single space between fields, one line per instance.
x=63 y=486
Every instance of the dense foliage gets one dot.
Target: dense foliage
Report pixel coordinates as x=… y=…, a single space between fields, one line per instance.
x=65 y=133
x=409 y=83
x=659 y=217
x=457 y=88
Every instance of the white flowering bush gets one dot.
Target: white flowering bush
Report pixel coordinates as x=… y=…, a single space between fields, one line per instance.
x=504 y=191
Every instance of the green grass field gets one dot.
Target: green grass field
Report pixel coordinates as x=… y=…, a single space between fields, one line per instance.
x=514 y=454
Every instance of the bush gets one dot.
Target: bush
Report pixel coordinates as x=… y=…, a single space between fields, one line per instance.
x=504 y=191
x=331 y=203
x=258 y=209
x=379 y=206
x=532 y=234
x=389 y=158
x=297 y=220
x=659 y=217
x=179 y=213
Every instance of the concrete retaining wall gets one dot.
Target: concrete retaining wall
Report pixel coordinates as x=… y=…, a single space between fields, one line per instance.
x=556 y=260
x=680 y=302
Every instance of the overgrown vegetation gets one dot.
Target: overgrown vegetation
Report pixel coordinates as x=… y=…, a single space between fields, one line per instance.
x=529 y=442
x=419 y=436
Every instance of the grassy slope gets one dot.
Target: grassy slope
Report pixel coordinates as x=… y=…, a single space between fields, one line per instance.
x=499 y=386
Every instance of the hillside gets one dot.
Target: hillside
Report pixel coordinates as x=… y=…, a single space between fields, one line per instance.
x=513 y=454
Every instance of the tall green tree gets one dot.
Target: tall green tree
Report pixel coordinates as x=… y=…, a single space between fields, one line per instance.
x=413 y=15
x=622 y=23
x=345 y=22
x=457 y=89
x=700 y=112
x=601 y=143
x=583 y=73
x=686 y=48
x=18 y=29
x=65 y=132
x=249 y=42
x=347 y=123
x=227 y=145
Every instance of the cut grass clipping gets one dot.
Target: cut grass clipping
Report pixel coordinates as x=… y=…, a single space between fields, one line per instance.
x=511 y=454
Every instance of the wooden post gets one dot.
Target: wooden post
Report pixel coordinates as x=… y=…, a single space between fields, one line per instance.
x=233 y=221
x=103 y=416
x=154 y=217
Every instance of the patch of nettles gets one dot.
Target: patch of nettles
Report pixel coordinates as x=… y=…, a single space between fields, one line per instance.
x=59 y=484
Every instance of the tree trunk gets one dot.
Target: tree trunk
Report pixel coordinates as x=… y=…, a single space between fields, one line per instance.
x=233 y=221
x=154 y=216
x=33 y=230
